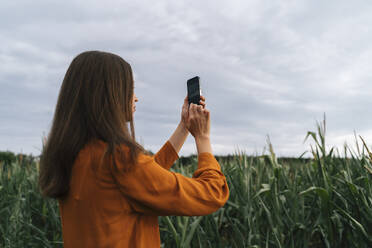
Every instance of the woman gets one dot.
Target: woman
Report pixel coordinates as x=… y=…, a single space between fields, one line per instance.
x=110 y=190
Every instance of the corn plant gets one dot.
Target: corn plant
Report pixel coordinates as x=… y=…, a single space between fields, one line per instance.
x=323 y=201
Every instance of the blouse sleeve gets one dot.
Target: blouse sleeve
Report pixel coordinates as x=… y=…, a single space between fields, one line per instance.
x=166 y=156
x=153 y=190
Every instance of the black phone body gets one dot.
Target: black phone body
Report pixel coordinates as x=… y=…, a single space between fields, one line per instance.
x=193 y=90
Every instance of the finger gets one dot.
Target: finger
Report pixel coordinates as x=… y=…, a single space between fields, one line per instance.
x=202 y=98
x=185 y=105
x=192 y=110
x=199 y=108
x=202 y=103
x=185 y=109
x=206 y=112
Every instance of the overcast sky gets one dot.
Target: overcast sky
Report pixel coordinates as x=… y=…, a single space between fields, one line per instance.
x=266 y=67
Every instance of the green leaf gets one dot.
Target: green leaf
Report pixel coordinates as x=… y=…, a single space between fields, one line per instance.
x=265 y=188
x=190 y=234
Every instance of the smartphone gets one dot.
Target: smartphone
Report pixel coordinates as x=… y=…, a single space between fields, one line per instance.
x=193 y=90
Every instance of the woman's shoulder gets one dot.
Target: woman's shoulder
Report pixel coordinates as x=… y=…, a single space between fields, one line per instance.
x=96 y=148
x=99 y=144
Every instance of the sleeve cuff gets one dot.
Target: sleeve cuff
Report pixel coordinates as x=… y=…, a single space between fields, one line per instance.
x=166 y=156
x=171 y=151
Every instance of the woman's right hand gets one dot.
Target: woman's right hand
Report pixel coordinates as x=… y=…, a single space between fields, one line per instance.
x=198 y=121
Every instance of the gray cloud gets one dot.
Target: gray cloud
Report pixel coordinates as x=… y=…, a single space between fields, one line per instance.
x=267 y=68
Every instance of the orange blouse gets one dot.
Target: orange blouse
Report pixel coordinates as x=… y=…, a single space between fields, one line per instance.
x=105 y=208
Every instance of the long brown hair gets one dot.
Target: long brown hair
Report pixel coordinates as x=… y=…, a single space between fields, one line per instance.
x=94 y=102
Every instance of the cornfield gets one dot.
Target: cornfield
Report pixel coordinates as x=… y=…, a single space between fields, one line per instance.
x=325 y=201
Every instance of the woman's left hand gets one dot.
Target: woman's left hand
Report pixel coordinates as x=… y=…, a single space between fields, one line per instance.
x=185 y=109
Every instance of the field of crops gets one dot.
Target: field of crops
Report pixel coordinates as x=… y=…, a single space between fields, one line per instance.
x=325 y=201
